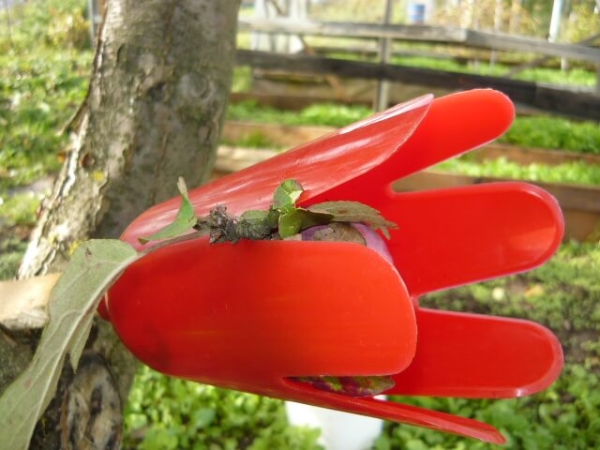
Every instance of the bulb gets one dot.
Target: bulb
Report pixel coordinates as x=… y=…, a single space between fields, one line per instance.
x=348 y=232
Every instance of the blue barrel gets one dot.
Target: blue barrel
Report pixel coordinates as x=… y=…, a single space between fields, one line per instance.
x=416 y=13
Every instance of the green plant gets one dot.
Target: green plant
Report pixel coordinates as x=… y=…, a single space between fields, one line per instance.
x=11 y=249
x=541 y=132
x=167 y=413
x=242 y=79
x=19 y=209
x=333 y=115
x=254 y=139
x=40 y=23
x=326 y=114
x=18 y=216
x=571 y=172
x=38 y=93
x=69 y=29
x=554 y=133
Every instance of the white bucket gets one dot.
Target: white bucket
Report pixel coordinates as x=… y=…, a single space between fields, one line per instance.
x=339 y=430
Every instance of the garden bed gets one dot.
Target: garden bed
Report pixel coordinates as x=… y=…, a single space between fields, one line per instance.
x=289 y=136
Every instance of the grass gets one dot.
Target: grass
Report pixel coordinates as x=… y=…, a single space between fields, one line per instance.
x=537 y=132
x=166 y=413
x=572 y=172
x=38 y=93
x=325 y=114
x=12 y=249
x=555 y=133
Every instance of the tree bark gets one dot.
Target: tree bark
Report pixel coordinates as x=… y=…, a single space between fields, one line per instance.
x=154 y=112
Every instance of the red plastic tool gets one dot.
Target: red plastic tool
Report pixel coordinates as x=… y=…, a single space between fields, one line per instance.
x=248 y=316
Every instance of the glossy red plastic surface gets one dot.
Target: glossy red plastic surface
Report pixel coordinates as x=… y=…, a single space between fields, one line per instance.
x=483 y=356
x=319 y=165
x=469 y=234
x=246 y=316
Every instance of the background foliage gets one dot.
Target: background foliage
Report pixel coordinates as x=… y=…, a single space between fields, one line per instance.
x=35 y=23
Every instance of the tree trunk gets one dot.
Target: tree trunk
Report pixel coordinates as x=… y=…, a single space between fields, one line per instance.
x=154 y=112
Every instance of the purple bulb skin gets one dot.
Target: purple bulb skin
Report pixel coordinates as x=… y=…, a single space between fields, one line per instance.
x=349 y=232
x=374 y=241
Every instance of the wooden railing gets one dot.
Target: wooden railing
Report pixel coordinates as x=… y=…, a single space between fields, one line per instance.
x=580 y=103
x=577 y=102
x=423 y=33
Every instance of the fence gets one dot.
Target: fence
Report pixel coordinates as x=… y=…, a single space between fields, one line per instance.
x=580 y=102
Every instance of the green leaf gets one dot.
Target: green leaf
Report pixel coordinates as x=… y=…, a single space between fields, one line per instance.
x=287 y=194
x=295 y=220
x=348 y=211
x=289 y=223
x=312 y=218
x=255 y=215
x=184 y=221
x=94 y=266
x=256 y=224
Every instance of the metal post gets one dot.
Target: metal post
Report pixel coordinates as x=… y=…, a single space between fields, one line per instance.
x=383 y=86
x=553 y=32
x=557 y=8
